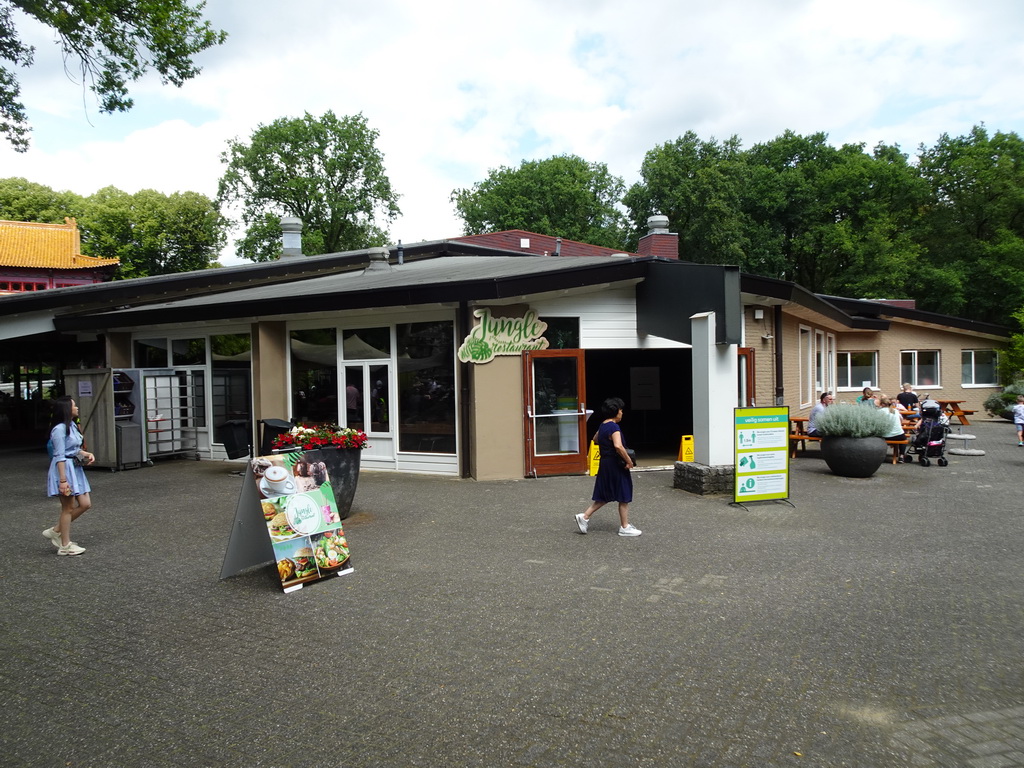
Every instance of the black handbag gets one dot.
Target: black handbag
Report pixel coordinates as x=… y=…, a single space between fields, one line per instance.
x=632 y=457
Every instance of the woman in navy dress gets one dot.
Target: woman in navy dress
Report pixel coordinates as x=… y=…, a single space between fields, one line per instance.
x=66 y=479
x=613 y=481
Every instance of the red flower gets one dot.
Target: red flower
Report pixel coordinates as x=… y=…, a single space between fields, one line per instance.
x=308 y=437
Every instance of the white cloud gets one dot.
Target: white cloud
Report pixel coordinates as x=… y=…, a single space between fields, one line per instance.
x=456 y=88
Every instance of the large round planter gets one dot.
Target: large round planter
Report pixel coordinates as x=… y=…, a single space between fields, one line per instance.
x=853 y=456
x=343 y=473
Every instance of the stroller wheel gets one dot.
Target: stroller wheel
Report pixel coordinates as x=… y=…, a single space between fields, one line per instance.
x=943 y=461
x=925 y=462
x=922 y=460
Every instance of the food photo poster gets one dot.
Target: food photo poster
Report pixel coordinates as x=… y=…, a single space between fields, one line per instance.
x=302 y=517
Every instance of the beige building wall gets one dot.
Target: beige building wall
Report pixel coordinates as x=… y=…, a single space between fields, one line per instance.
x=496 y=415
x=901 y=336
x=764 y=354
x=270 y=371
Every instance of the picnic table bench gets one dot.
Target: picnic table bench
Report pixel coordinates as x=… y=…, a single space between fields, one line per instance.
x=798 y=437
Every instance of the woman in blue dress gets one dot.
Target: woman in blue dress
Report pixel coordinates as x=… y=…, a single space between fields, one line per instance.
x=613 y=481
x=66 y=479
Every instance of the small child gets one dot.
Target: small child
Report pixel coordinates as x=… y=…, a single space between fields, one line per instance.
x=1018 y=419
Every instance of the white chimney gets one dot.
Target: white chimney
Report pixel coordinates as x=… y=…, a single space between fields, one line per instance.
x=291 y=236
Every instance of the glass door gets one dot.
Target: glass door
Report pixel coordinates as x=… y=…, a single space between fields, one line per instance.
x=556 y=419
x=367 y=392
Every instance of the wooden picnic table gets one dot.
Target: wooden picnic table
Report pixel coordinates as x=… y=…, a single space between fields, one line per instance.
x=953 y=406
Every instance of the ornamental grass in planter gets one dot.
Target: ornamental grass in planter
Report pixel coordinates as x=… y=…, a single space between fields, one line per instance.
x=853 y=438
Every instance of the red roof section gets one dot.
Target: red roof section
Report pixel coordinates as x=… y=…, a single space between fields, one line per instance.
x=535 y=244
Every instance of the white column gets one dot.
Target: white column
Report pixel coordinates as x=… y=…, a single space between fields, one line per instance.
x=714 y=393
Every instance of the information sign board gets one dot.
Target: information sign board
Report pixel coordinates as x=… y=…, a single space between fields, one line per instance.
x=762 y=454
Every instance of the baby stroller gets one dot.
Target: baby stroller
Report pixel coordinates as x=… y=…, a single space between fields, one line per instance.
x=930 y=438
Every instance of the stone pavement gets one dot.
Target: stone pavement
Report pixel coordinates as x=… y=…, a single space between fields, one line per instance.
x=876 y=622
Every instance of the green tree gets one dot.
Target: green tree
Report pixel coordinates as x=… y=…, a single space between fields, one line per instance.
x=152 y=233
x=327 y=171
x=699 y=186
x=113 y=42
x=563 y=196
x=841 y=219
x=974 y=227
x=24 y=200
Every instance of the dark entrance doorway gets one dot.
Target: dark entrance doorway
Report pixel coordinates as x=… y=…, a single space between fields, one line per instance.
x=657 y=387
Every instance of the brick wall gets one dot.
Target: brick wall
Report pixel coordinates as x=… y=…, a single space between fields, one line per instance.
x=888 y=344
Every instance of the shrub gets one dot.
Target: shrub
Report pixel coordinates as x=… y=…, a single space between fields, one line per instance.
x=844 y=420
x=1000 y=404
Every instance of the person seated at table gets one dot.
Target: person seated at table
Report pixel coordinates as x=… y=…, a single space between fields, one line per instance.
x=867 y=397
x=895 y=424
x=823 y=403
x=908 y=400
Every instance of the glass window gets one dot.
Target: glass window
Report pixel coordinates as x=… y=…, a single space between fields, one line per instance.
x=150 y=353
x=562 y=332
x=819 y=362
x=555 y=387
x=231 y=381
x=979 y=367
x=806 y=352
x=426 y=387
x=920 y=367
x=366 y=343
x=379 y=395
x=856 y=370
x=314 y=376
x=354 y=399
x=188 y=352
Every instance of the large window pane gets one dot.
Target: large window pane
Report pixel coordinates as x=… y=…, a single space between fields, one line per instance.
x=806 y=368
x=555 y=387
x=426 y=387
x=231 y=382
x=562 y=332
x=314 y=362
x=907 y=372
x=366 y=343
x=978 y=366
x=188 y=352
x=150 y=353
x=928 y=368
x=862 y=369
x=354 y=397
x=379 y=393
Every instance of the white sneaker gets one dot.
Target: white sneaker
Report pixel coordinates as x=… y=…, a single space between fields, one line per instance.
x=71 y=549
x=630 y=530
x=53 y=536
x=582 y=522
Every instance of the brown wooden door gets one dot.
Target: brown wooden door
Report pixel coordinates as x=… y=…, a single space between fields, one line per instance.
x=554 y=390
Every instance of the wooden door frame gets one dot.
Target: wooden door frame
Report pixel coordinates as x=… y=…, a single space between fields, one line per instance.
x=563 y=464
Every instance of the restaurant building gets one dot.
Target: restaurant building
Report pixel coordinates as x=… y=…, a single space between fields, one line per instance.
x=481 y=356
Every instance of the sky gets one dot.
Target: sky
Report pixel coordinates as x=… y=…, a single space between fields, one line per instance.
x=456 y=88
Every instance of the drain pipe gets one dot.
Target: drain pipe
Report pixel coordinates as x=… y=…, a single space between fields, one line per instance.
x=780 y=390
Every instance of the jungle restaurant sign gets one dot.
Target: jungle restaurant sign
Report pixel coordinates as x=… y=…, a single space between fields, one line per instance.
x=502 y=336
x=762 y=454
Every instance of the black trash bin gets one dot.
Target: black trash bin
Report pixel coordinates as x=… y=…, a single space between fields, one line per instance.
x=235 y=433
x=271 y=428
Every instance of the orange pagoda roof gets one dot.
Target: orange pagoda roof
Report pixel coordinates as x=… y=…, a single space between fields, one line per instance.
x=45 y=246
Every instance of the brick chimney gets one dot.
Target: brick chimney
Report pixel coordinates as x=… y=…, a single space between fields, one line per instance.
x=659 y=241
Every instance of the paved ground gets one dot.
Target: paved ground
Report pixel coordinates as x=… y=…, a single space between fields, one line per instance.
x=877 y=623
